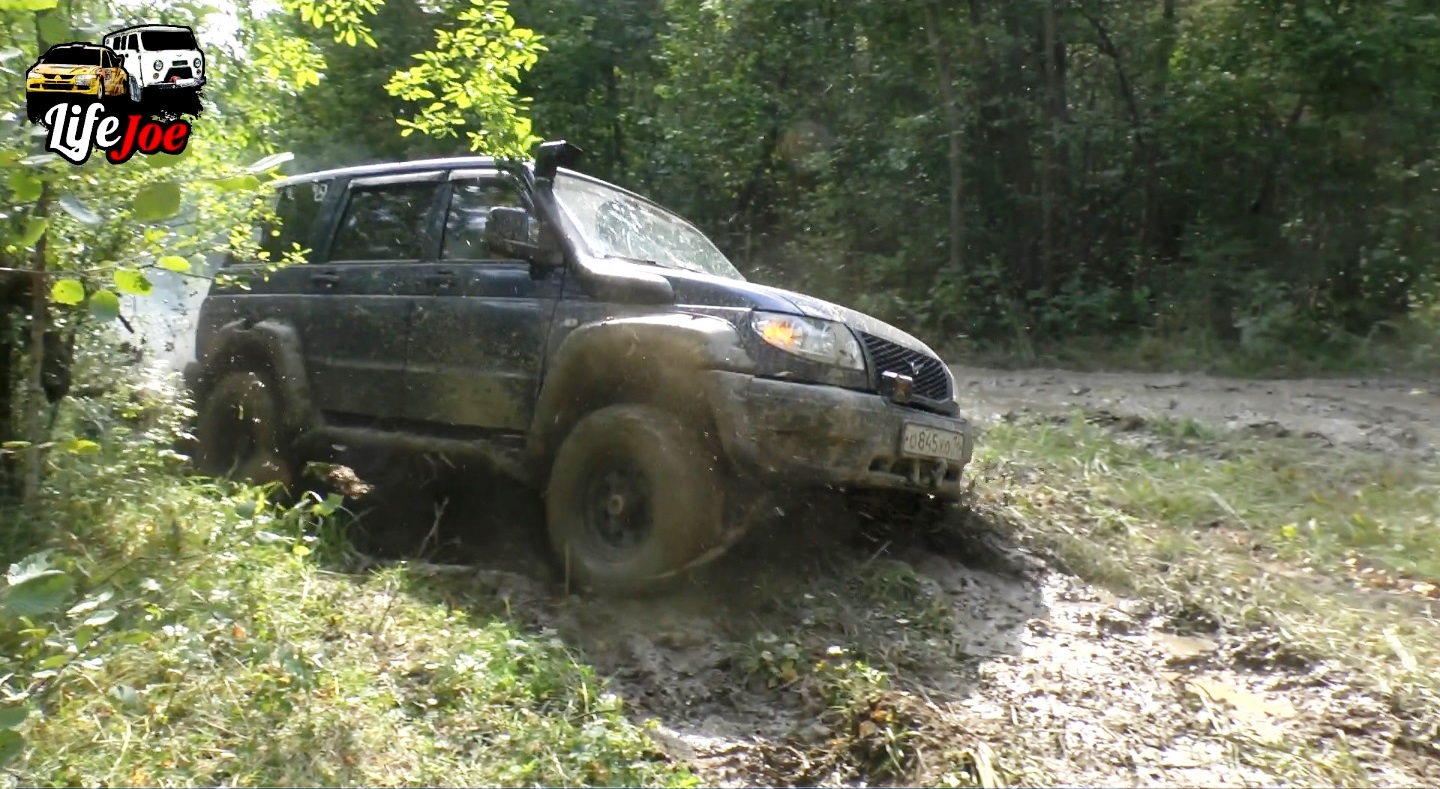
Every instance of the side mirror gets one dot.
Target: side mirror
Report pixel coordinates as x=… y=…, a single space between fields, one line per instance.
x=507 y=232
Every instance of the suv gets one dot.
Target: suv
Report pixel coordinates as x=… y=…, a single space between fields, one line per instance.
x=159 y=57
x=570 y=334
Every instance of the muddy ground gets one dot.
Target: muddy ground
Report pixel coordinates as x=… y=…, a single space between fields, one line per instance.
x=1001 y=669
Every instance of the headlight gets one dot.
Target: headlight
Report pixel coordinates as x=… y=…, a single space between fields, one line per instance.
x=197 y=64
x=157 y=64
x=84 y=80
x=808 y=338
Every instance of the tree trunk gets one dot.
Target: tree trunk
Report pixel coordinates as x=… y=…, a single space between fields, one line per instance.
x=35 y=391
x=955 y=121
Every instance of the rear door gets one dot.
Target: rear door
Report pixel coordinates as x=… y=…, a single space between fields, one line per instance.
x=478 y=340
x=359 y=314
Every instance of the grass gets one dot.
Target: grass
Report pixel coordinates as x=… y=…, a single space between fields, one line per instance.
x=1332 y=555
x=230 y=655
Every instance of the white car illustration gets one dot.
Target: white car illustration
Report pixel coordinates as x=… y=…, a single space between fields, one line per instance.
x=159 y=57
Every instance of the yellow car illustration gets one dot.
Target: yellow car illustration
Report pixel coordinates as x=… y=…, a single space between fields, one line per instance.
x=75 y=72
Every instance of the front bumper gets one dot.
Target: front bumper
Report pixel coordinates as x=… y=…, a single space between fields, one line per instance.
x=184 y=84
x=56 y=89
x=813 y=434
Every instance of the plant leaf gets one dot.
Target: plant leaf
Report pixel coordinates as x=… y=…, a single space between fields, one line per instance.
x=39 y=593
x=105 y=305
x=34 y=228
x=79 y=210
x=157 y=201
x=132 y=282
x=67 y=291
x=11 y=744
x=173 y=263
x=12 y=715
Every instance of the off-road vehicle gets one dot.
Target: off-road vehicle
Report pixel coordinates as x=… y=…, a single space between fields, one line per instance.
x=574 y=335
x=159 y=58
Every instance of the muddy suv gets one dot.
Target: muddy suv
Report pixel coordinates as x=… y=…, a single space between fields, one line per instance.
x=572 y=335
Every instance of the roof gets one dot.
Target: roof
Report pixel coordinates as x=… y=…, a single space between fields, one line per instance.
x=395 y=168
x=77 y=45
x=148 y=27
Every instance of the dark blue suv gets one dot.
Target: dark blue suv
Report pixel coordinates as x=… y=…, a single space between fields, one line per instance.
x=572 y=335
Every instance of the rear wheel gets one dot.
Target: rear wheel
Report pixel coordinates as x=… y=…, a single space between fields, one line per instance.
x=635 y=496
x=240 y=432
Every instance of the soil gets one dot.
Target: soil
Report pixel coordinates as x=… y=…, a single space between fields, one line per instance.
x=999 y=662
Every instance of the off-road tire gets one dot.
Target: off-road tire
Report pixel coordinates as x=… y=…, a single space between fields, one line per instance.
x=133 y=93
x=683 y=484
x=240 y=432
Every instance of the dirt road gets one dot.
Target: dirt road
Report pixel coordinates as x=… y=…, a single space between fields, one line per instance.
x=999 y=664
x=1359 y=413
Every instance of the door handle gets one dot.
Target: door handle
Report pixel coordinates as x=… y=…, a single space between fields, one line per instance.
x=328 y=279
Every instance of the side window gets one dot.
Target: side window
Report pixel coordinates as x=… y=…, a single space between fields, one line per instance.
x=297 y=207
x=470 y=202
x=384 y=222
x=132 y=42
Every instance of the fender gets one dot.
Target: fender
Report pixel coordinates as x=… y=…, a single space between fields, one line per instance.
x=265 y=346
x=651 y=358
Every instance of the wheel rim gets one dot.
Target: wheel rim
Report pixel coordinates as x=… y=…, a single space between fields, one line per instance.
x=618 y=509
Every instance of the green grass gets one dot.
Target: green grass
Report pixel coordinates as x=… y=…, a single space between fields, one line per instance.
x=232 y=655
x=1336 y=552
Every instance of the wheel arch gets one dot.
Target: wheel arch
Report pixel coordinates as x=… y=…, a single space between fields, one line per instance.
x=268 y=347
x=651 y=360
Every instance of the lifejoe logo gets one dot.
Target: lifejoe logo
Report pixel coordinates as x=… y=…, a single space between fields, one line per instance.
x=124 y=96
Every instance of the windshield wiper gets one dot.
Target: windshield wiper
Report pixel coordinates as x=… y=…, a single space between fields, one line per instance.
x=645 y=261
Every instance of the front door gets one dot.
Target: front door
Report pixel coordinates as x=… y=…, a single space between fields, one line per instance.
x=358 y=318
x=478 y=339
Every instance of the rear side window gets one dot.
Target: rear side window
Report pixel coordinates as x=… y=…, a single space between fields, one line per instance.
x=297 y=207
x=384 y=222
x=470 y=204
x=167 y=39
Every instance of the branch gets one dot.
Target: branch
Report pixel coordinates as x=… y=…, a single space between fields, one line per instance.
x=1108 y=48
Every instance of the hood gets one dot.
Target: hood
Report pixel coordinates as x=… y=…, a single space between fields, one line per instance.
x=56 y=69
x=709 y=291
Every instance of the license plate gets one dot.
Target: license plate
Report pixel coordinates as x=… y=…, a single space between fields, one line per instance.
x=917 y=440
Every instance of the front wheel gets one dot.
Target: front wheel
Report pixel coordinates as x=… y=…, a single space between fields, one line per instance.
x=635 y=496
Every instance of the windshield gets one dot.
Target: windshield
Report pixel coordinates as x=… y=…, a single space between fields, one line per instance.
x=616 y=225
x=72 y=56
x=167 y=39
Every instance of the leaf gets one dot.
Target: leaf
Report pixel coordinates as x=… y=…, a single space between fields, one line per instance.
x=101 y=618
x=300 y=550
x=54 y=27
x=273 y=160
x=11 y=744
x=28 y=5
x=132 y=282
x=12 y=715
x=90 y=603
x=237 y=183
x=25 y=187
x=77 y=209
x=173 y=263
x=127 y=697
x=157 y=201
x=82 y=446
x=34 y=229
x=39 y=593
x=67 y=291
x=105 y=305
x=14 y=445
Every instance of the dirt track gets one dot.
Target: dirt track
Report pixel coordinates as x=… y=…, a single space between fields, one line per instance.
x=1358 y=413
x=992 y=658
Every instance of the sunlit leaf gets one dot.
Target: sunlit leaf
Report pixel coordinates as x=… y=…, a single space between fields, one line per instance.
x=34 y=228
x=173 y=263
x=67 y=291
x=157 y=201
x=132 y=282
x=24 y=186
x=82 y=446
x=271 y=161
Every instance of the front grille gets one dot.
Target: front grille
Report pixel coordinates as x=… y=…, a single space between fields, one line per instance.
x=179 y=73
x=932 y=381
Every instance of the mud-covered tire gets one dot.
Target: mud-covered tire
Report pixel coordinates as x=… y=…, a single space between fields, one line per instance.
x=634 y=497
x=239 y=432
